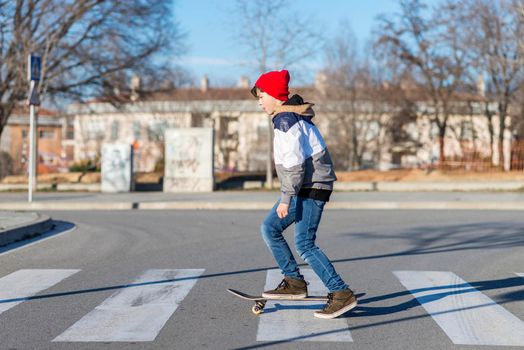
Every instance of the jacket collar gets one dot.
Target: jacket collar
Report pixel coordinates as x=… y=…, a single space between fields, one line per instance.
x=296 y=105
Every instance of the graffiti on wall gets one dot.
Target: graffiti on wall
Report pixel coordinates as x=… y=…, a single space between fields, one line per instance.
x=189 y=160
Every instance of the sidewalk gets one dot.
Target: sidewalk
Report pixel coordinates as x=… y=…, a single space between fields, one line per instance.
x=15 y=226
x=375 y=186
x=259 y=200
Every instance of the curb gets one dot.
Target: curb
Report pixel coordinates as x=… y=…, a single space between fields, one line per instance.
x=53 y=187
x=358 y=186
x=38 y=226
x=68 y=206
x=184 y=205
x=406 y=186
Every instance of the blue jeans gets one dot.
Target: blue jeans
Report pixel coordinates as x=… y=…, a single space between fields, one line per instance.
x=306 y=214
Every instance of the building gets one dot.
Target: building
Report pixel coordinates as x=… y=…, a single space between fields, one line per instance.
x=55 y=140
x=367 y=125
x=240 y=127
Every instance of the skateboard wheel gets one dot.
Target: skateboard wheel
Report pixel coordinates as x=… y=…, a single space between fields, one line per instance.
x=257 y=310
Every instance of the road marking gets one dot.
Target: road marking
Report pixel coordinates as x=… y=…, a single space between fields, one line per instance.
x=22 y=284
x=292 y=320
x=137 y=312
x=466 y=315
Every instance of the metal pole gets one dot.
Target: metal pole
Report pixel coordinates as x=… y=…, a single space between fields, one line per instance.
x=34 y=63
x=32 y=153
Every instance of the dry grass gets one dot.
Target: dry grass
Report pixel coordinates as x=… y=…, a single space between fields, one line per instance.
x=407 y=175
x=415 y=175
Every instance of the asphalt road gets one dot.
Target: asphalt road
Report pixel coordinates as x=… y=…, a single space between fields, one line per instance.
x=388 y=255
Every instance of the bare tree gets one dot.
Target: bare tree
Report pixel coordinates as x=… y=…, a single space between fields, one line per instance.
x=337 y=87
x=428 y=43
x=359 y=102
x=88 y=47
x=495 y=36
x=518 y=6
x=275 y=39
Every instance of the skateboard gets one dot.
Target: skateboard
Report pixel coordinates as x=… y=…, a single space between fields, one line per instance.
x=260 y=301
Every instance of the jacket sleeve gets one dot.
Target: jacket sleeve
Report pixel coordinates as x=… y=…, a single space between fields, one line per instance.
x=290 y=165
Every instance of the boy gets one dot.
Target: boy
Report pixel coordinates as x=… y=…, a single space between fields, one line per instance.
x=306 y=175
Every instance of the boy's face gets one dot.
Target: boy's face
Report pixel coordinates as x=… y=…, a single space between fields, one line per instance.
x=267 y=102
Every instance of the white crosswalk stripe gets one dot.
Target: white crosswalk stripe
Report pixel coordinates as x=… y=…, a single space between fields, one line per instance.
x=138 y=311
x=16 y=287
x=466 y=315
x=295 y=320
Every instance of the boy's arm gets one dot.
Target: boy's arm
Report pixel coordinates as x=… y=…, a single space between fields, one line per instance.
x=292 y=165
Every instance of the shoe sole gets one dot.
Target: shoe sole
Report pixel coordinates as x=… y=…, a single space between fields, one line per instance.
x=284 y=296
x=337 y=313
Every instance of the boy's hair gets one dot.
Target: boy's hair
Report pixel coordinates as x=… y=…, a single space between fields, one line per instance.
x=256 y=90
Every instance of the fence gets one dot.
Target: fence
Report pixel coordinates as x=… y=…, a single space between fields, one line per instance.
x=474 y=160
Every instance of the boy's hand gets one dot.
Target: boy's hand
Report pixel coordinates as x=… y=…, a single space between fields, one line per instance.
x=282 y=210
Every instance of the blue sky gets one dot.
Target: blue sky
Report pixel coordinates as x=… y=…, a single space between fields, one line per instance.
x=212 y=49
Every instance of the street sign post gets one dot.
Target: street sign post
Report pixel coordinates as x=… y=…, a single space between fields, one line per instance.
x=34 y=65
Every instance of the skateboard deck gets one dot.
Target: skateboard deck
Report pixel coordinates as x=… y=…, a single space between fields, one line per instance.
x=260 y=298
x=260 y=301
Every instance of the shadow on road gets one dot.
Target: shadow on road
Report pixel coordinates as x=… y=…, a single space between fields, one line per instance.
x=59 y=227
x=370 y=311
x=448 y=238
x=422 y=240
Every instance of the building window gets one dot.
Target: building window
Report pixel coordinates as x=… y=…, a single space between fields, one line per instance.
x=136 y=129
x=24 y=133
x=435 y=132
x=262 y=130
x=95 y=130
x=156 y=130
x=70 y=134
x=115 y=126
x=197 y=120
x=46 y=134
x=466 y=130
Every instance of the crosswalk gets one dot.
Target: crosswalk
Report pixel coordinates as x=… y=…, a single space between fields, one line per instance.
x=467 y=316
x=285 y=320
x=138 y=311
x=20 y=285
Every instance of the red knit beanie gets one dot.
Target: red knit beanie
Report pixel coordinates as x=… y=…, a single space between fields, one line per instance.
x=274 y=84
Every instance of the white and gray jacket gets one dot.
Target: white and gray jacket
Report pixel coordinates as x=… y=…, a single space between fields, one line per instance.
x=302 y=160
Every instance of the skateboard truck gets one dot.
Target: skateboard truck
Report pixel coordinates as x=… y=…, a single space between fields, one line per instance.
x=259 y=306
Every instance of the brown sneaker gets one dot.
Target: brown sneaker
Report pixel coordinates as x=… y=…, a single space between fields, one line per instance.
x=289 y=288
x=338 y=304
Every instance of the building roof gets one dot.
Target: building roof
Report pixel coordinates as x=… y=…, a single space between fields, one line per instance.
x=21 y=111
x=238 y=99
x=192 y=94
x=46 y=117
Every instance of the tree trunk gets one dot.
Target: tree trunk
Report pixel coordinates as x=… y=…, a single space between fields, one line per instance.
x=442 y=134
x=5 y=112
x=502 y=130
x=488 y=115
x=442 y=158
x=354 y=139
